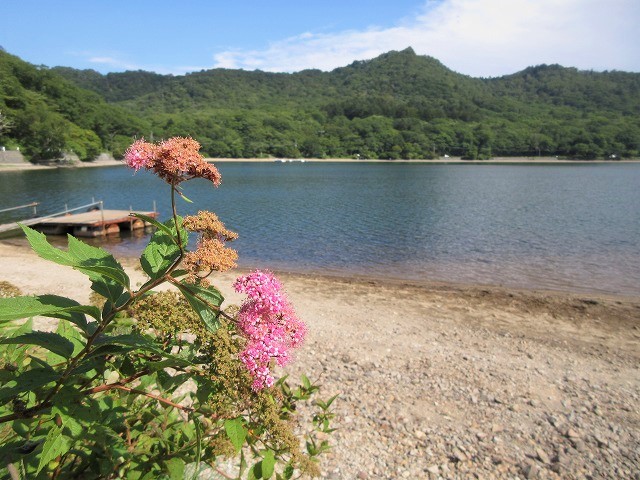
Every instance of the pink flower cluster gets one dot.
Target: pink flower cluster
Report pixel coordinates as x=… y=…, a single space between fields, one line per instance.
x=271 y=326
x=173 y=160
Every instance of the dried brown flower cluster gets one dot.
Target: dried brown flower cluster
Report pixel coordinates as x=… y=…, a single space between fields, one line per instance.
x=209 y=225
x=211 y=253
x=173 y=160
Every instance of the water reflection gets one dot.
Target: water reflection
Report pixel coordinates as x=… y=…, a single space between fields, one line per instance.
x=570 y=226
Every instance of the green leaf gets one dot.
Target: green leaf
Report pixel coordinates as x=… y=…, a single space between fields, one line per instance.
x=15 y=308
x=153 y=222
x=44 y=249
x=27 y=381
x=325 y=405
x=160 y=254
x=132 y=341
x=255 y=472
x=68 y=421
x=205 y=301
x=55 y=444
x=96 y=260
x=12 y=451
x=108 y=277
x=50 y=341
x=198 y=427
x=108 y=350
x=265 y=467
x=108 y=345
x=23 y=426
x=185 y=198
x=67 y=331
x=26 y=327
x=236 y=432
x=268 y=464
x=288 y=471
x=172 y=362
x=175 y=467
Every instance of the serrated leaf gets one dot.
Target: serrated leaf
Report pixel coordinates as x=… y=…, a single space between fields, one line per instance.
x=108 y=277
x=97 y=260
x=44 y=249
x=55 y=444
x=67 y=420
x=236 y=432
x=15 y=308
x=108 y=345
x=26 y=327
x=48 y=340
x=134 y=340
x=205 y=302
x=67 y=331
x=27 y=381
x=159 y=255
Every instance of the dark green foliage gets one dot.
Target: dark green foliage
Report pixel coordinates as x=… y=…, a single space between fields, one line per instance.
x=50 y=116
x=150 y=387
x=399 y=105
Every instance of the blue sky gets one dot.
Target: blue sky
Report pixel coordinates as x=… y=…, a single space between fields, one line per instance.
x=474 y=37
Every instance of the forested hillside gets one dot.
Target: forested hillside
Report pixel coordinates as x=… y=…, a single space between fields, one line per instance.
x=398 y=105
x=46 y=115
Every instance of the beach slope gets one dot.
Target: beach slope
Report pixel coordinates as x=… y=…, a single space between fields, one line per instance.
x=450 y=381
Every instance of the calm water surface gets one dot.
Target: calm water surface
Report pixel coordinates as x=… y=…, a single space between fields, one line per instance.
x=569 y=227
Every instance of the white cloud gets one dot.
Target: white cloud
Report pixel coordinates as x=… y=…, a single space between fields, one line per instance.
x=112 y=63
x=474 y=37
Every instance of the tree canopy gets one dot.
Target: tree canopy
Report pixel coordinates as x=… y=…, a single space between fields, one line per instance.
x=398 y=105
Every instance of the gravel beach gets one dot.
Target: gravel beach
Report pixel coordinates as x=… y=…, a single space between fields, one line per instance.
x=450 y=381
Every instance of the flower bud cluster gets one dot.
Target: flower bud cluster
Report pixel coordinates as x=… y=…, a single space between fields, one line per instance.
x=174 y=160
x=270 y=325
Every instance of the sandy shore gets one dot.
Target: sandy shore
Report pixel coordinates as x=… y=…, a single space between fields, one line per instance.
x=449 y=381
x=25 y=166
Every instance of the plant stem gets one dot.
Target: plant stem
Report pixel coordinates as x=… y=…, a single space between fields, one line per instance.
x=111 y=315
x=172 y=280
x=175 y=218
x=150 y=395
x=109 y=386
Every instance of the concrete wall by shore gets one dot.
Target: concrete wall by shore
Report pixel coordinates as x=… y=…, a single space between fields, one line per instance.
x=11 y=156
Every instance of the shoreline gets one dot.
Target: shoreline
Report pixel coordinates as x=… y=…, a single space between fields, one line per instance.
x=19 y=244
x=26 y=166
x=446 y=381
x=437 y=161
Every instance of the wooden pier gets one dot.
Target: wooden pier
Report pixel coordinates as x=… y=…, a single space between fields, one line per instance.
x=92 y=224
x=95 y=222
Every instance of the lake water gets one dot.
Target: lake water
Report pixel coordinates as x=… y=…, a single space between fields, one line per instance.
x=568 y=227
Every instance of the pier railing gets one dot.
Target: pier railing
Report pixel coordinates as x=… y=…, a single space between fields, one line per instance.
x=32 y=221
x=19 y=207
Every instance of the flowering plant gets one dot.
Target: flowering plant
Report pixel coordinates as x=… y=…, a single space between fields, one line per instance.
x=156 y=384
